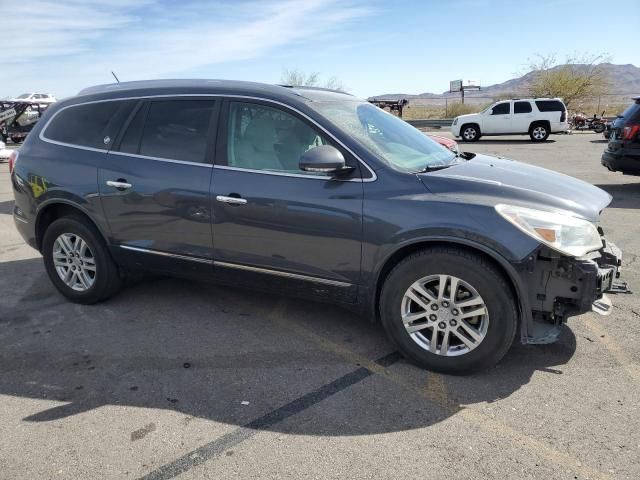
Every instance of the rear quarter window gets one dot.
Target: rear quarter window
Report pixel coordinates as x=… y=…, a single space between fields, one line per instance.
x=550 y=106
x=93 y=125
x=632 y=113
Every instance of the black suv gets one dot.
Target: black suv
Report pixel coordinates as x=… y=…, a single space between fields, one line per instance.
x=315 y=193
x=623 y=151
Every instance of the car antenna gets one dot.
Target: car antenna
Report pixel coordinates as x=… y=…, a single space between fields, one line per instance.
x=115 y=76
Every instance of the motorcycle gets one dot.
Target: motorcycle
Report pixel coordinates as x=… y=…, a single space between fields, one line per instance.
x=582 y=122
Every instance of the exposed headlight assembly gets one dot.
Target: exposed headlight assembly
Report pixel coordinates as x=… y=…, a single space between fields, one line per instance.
x=565 y=233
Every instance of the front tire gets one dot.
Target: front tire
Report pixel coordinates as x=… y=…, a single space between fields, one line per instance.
x=470 y=133
x=78 y=262
x=449 y=310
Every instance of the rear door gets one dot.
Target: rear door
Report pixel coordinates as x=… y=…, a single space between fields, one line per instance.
x=154 y=185
x=522 y=116
x=498 y=119
x=291 y=228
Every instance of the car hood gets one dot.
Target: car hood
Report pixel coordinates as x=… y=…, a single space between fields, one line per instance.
x=467 y=116
x=491 y=180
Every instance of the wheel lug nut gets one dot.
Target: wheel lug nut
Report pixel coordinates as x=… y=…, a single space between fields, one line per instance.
x=453 y=323
x=442 y=325
x=433 y=317
x=434 y=307
x=445 y=304
x=455 y=311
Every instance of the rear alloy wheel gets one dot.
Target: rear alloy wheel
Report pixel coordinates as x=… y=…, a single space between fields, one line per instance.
x=470 y=133
x=74 y=262
x=539 y=133
x=78 y=261
x=449 y=310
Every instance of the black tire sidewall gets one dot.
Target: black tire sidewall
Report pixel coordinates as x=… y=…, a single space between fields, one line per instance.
x=489 y=284
x=107 y=280
x=533 y=127
x=474 y=139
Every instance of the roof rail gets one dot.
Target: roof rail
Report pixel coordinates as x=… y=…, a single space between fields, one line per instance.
x=307 y=87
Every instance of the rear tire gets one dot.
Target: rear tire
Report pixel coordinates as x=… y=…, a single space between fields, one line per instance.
x=78 y=262
x=470 y=133
x=539 y=132
x=478 y=282
x=599 y=128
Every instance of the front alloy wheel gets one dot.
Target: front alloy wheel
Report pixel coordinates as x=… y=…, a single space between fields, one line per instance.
x=444 y=315
x=470 y=133
x=449 y=309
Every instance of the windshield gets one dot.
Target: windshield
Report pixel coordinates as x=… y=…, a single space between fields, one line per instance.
x=24 y=95
x=388 y=137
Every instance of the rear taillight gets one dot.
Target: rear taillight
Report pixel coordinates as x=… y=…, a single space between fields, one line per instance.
x=630 y=132
x=13 y=158
x=563 y=116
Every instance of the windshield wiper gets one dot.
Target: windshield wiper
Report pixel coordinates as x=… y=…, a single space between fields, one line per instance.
x=434 y=168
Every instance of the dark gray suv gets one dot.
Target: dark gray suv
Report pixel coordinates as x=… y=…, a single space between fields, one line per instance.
x=318 y=194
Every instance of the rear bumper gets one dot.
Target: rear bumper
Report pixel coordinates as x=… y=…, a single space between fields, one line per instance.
x=622 y=160
x=559 y=127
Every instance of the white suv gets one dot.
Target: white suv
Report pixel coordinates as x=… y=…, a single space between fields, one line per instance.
x=536 y=117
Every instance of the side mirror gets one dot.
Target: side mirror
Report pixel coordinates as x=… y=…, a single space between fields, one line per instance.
x=323 y=159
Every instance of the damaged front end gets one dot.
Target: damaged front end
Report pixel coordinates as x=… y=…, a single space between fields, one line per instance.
x=561 y=286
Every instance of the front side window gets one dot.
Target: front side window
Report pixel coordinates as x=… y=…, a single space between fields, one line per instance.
x=267 y=138
x=93 y=125
x=502 y=109
x=522 y=107
x=175 y=129
x=386 y=136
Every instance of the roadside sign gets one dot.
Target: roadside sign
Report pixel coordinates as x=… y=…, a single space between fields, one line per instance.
x=455 y=85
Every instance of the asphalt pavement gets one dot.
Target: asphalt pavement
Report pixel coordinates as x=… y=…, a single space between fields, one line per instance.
x=173 y=378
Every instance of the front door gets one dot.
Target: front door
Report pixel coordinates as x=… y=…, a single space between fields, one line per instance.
x=498 y=119
x=154 y=185
x=522 y=116
x=270 y=218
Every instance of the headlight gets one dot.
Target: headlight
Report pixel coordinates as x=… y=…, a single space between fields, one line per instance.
x=455 y=121
x=565 y=233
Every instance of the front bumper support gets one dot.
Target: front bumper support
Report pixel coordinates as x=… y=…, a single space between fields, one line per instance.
x=561 y=287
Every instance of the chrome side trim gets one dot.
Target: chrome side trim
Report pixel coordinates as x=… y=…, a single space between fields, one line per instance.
x=160 y=159
x=238 y=266
x=373 y=178
x=283 y=174
x=279 y=273
x=166 y=254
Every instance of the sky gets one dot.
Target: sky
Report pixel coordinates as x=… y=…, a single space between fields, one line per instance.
x=372 y=47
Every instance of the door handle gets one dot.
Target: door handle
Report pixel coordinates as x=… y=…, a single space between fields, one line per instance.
x=119 y=184
x=231 y=200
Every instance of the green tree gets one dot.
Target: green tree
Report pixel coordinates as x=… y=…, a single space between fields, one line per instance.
x=579 y=79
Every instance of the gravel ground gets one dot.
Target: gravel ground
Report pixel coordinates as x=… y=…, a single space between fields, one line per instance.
x=174 y=378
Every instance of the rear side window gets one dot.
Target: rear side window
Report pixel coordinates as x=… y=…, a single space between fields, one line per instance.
x=93 y=125
x=502 y=109
x=522 y=107
x=632 y=112
x=174 y=129
x=550 y=106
